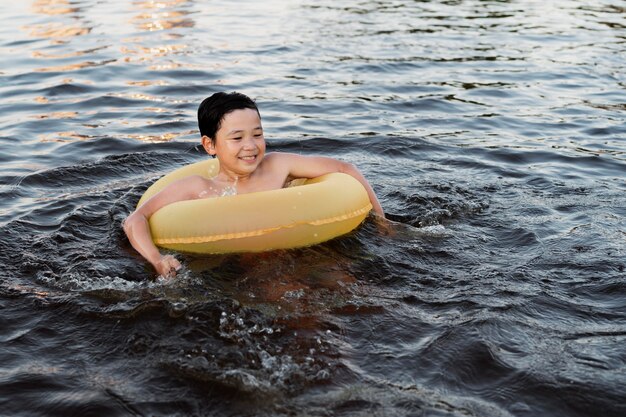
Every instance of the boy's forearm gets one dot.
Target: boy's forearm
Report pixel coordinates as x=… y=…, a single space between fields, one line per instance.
x=138 y=231
x=378 y=209
x=354 y=172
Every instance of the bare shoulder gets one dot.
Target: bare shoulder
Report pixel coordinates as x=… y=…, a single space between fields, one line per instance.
x=283 y=159
x=195 y=181
x=278 y=161
x=187 y=188
x=306 y=166
x=278 y=157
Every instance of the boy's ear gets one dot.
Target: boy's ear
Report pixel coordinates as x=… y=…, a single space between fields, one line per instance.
x=208 y=145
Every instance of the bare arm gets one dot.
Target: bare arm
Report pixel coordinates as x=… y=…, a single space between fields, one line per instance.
x=353 y=171
x=137 y=228
x=313 y=166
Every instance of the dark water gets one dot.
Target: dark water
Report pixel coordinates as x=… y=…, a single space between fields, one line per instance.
x=492 y=131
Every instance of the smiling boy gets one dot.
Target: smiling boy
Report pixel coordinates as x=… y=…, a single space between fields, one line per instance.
x=230 y=125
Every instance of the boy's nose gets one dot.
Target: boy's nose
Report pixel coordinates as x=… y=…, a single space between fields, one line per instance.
x=248 y=143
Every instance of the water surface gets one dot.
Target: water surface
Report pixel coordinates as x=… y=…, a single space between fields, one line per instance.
x=492 y=131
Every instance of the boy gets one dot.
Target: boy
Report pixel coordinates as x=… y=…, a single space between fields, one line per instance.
x=230 y=125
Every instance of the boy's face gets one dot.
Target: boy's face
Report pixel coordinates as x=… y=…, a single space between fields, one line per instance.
x=239 y=143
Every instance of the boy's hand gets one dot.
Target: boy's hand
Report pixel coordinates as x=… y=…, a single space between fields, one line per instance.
x=167 y=266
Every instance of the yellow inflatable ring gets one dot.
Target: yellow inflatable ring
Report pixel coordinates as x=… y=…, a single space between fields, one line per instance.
x=318 y=210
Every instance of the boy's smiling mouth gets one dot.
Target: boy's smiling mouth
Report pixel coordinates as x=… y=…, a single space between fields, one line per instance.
x=248 y=158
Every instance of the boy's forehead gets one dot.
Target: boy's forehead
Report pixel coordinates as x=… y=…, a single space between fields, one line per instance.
x=241 y=116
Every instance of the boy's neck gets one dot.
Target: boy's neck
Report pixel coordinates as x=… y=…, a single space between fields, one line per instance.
x=226 y=176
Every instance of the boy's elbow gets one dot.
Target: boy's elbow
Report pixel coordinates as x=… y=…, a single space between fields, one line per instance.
x=130 y=221
x=346 y=167
x=126 y=223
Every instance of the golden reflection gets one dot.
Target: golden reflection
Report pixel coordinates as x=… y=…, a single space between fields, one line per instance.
x=170 y=66
x=54 y=7
x=47 y=55
x=157 y=15
x=57 y=31
x=64 y=137
x=154 y=51
x=57 y=115
x=137 y=96
x=146 y=83
x=165 y=137
x=162 y=21
x=60 y=32
x=72 y=67
x=143 y=54
x=152 y=4
x=160 y=16
x=155 y=110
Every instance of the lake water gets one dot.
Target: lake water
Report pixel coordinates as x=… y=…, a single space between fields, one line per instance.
x=492 y=131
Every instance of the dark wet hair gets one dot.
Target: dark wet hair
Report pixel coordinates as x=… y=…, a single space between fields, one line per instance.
x=212 y=110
